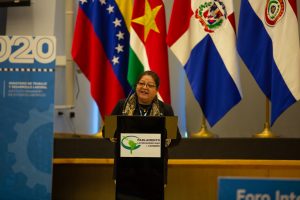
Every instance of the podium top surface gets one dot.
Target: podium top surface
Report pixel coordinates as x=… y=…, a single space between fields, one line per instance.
x=169 y=123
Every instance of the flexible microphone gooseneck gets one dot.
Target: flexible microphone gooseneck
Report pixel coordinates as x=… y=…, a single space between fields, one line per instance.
x=126 y=100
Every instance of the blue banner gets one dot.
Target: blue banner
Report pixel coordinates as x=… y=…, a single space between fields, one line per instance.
x=258 y=189
x=26 y=116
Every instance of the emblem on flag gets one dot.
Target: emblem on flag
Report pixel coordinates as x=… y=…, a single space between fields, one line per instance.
x=210 y=63
x=211 y=15
x=273 y=62
x=274 y=11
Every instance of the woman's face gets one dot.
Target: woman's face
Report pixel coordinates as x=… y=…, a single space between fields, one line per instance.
x=146 y=90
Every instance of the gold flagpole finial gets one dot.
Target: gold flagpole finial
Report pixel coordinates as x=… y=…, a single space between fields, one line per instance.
x=99 y=134
x=204 y=132
x=266 y=133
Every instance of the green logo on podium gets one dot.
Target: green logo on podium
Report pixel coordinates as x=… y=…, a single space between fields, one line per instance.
x=130 y=143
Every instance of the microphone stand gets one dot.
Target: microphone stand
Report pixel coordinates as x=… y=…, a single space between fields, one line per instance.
x=126 y=100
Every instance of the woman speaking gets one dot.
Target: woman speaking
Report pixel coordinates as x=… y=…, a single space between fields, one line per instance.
x=144 y=101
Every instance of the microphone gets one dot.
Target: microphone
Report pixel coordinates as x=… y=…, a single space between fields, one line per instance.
x=126 y=100
x=160 y=112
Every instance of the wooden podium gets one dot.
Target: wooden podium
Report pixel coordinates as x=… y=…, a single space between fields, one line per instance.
x=140 y=154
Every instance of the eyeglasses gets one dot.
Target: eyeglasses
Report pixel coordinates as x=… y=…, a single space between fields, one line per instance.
x=149 y=85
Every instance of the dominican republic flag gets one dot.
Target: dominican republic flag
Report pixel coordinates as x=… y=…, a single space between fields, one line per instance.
x=268 y=42
x=100 y=48
x=202 y=36
x=148 y=47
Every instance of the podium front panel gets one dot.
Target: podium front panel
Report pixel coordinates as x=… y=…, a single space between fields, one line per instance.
x=140 y=177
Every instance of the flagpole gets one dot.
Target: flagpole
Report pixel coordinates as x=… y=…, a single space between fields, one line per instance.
x=69 y=69
x=266 y=133
x=99 y=134
x=204 y=132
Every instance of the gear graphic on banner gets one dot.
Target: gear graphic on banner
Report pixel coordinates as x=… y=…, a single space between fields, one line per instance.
x=23 y=163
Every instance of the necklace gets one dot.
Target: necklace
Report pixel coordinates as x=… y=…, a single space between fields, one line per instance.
x=144 y=109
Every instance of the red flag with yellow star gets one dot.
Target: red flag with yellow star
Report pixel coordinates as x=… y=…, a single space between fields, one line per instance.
x=148 y=48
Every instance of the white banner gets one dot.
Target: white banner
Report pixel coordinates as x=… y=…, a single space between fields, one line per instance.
x=140 y=145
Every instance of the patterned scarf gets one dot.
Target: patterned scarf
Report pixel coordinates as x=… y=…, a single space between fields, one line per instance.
x=132 y=102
